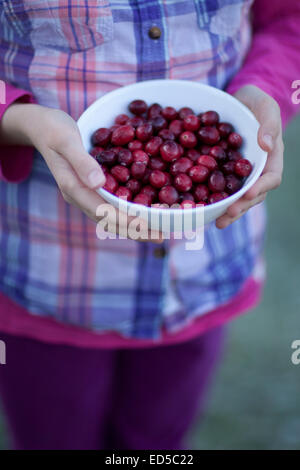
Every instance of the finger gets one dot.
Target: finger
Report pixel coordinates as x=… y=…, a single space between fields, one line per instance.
x=231 y=216
x=268 y=115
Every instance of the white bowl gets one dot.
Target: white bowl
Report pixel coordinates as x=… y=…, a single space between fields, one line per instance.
x=177 y=93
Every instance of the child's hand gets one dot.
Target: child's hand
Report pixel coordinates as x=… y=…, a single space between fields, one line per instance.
x=56 y=135
x=267 y=112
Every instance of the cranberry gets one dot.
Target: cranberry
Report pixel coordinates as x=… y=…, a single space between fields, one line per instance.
x=218 y=153
x=216 y=182
x=115 y=126
x=243 y=167
x=121 y=173
x=168 y=195
x=228 y=167
x=138 y=107
x=208 y=161
x=191 y=122
x=169 y=179
x=122 y=135
x=170 y=150
x=186 y=197
x=166 y=134
x=143 y=199
x=193 y=155
x=101 y=136
x=209 y=135
x=137 y=170
x=95 y=152
x=122 y=119
x=136 y=121
x=234 y=155
x=210 y=118
x=154 y=111
x=135 y=145
x=205 y=149
x=223 y=144
x=157 y=163
x=201 y=192
x=216 y=197
x=111 y=184
x=157 y=178
x=152 y=146
x=159 y=123
x=144 y=132
x=140 y=156
x=176 y=127
x=188 y=139
x=187 y=204
x=183 y=182
x=169 y=113
x=145 y=178
x=184 y=112
x=182 y=165
x=124 y=193
x=225 y=129
x=134 y=186
x=125 y=157
x=233 y=184
x=107 y=156
x=149 y=191
x=199 y=173
x=235 y=140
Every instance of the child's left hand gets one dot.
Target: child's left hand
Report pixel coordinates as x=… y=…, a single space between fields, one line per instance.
x=267 y=112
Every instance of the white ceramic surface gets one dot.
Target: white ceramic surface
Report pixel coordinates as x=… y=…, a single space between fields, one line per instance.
x=177 y=93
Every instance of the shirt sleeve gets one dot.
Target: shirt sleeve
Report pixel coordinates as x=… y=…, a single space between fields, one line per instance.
x=273 y=61
x=15 y=161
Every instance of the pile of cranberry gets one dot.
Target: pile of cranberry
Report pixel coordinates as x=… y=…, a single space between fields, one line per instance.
x=165 y=156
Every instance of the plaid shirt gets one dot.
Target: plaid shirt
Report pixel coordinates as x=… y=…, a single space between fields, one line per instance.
x=68 y=53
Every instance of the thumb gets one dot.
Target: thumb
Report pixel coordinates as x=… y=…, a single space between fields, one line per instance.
x=268 y=115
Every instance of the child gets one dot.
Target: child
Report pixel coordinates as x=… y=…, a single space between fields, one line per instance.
x=111 y=344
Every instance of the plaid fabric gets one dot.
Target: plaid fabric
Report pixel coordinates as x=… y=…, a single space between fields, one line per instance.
x=68 y=53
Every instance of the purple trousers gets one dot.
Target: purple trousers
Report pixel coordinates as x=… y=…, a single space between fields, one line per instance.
x=62 y=397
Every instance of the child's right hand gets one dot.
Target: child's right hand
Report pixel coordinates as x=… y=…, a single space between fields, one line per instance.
x=56 y=136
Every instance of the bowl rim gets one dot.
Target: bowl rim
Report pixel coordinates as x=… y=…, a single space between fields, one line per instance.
x=164 y=82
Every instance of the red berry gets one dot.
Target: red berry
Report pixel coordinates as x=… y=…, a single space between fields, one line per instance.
x=135 y=145
x=186 y=197
x=187 y=204
x=136 y=121
x=152 y=146
x=243 y=167
x=235 y=140
x=188 y=139
x=159 y=123
x=210 y=118
x=228 y=167
x=124 y=193
x=223 y=144
x=157 y=163
x=170 y=151
x=107 y=157
x=184 y=112
x=199 y=173
x=234 y=155
x=191 y=122
x=143 y=199
x=166 y=134
x=122 y=135
x=225 y=129
x=101 y=136
x=144 y=132
x=95 y=152
x=205 y=149
x=154 y=111
x=138 y=107
x=218 y=153
x=149 y=191
x=168 y=195
x=193 y=155
x=115 y=126
x=122 y=119
x=121 y=173
x=201 y=192
x=182 y=165
x=145 y=178
x=216 y=182
x=176 y=127
x=157 y=178
x=111 y=184
x=137 y=170
x=169 y=179
x=233 y=184
x=169 y=113
x=140 y=156
x=125 y=157
x=208 y=161
x=134 y=186
x=209 y=135
x=216 y=197
x=183 y=182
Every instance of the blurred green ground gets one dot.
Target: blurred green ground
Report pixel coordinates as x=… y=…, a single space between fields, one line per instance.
x=255 y=401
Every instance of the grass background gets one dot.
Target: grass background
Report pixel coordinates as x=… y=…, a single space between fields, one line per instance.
x=255 y=400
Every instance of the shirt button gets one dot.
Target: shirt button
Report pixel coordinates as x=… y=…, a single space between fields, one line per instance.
x=159 y=252
x=154 y=32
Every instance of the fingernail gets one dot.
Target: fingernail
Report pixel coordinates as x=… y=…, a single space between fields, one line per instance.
x=96 y=178
x=268 y=140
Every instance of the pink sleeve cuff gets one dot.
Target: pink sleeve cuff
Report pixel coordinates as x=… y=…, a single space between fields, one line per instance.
x=15 y=161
